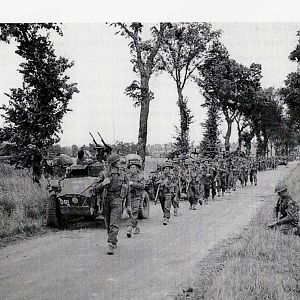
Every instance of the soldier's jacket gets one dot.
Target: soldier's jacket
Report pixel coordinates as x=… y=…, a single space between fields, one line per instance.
x=223 y=171
x=119 y=184
x=288 y=209
x=236 y=171
x=138 y=185
x=206 y=176
x=244 y=169
x=168 y=183
x=253 y=168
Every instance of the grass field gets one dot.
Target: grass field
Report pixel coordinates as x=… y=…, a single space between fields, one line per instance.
x=22 y=202
x=260 y=264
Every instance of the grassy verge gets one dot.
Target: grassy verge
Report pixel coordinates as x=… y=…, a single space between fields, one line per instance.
x=259 y=264
x=22 y=203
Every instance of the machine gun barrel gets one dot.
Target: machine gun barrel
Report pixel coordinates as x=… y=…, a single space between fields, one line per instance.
x=103 y=142
x=95 y=142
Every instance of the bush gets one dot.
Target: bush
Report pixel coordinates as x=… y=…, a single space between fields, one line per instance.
x=22 y=202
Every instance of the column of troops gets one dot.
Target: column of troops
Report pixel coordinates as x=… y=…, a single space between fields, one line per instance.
x=202 y=180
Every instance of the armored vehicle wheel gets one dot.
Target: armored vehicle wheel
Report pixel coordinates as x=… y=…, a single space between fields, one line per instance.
x=53 y=212
x=144 y=206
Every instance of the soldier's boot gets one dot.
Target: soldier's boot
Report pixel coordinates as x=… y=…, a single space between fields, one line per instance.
x=165 y=222
x=191 y=207
x=194 y=207
x=137 y=230
x=219 y=193
x=213 y=198
x=110 y=249
x=200 y=202
x=175 y=211
x=129 y=231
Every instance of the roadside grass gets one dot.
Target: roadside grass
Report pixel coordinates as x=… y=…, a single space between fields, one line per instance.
x=259 y=264
x=22 y=203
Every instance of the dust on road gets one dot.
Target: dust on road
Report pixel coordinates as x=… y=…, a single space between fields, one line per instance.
x=155 y=264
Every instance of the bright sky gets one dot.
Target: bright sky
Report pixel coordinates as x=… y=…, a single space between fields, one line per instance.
x=102 y=70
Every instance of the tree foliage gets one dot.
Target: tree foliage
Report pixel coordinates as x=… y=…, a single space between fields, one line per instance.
x=209 y=145
x=232 y=86
x=183 y=50
x=145 y=63
x=35 y=110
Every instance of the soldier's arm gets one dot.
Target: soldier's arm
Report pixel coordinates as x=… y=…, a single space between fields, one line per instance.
x=276 y=209
x=292 y=214
x=127 y=197
x=99 y=186
x=140 y=184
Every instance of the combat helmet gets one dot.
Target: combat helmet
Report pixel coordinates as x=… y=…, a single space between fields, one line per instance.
x=113 y=158
x=280 y=187
x=168 y=164
x=134 y=159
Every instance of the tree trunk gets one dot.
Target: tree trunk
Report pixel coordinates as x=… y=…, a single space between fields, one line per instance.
x=144 y=113
x=228 y=134
x=184 y=122
x=240 y=139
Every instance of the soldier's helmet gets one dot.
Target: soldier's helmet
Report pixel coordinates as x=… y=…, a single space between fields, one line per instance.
x=113 y=158
x=280 y=187
x=168 y=164
x=134 y=159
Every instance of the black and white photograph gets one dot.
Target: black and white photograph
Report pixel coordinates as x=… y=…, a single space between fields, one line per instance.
x=149 y=157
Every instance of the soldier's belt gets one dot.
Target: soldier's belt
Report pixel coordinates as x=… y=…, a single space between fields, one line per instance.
x=114 y=194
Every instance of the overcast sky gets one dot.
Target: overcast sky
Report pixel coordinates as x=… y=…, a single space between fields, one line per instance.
x=102 y=70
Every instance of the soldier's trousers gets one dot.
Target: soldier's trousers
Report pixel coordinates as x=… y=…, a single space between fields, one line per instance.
x=166 y=202
x=175 y=200
x=113 y=214
x=193 y=195
x=213 y=189
x=234 y=180
x=223 y=183
x=253 y=178
x=290 y=229
x=133 y=218
x=245 y=178
x=206 y=191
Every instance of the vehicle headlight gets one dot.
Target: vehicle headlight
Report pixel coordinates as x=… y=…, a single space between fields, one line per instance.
x=74 y=200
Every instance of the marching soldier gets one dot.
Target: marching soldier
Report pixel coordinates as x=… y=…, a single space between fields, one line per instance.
x=253 y=173
x=192 y=187
x=136 y=187
x=167 y=191
x=114 y=185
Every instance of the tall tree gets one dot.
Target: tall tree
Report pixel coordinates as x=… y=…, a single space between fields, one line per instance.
x=291 y=92
x=183 y=50
x=36 y=109
x=266 y=118
x=144 y=60
x=248 y=88
x=219 y=79
x=209 y=145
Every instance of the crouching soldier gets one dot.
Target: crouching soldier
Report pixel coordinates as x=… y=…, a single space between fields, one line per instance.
x=286 y=212
x=167 y=191
x=136 y=187
x=114 y=185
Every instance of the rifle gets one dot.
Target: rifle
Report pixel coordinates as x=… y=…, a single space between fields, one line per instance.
x=156 y=196
x=107 y=147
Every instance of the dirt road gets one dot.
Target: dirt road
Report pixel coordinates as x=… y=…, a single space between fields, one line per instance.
x=73 y=264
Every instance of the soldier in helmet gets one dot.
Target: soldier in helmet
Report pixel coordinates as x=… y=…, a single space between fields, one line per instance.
x=136 y=187
x=167 y=191
x=286 y=212
x=82 y=159
x=114 y=185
